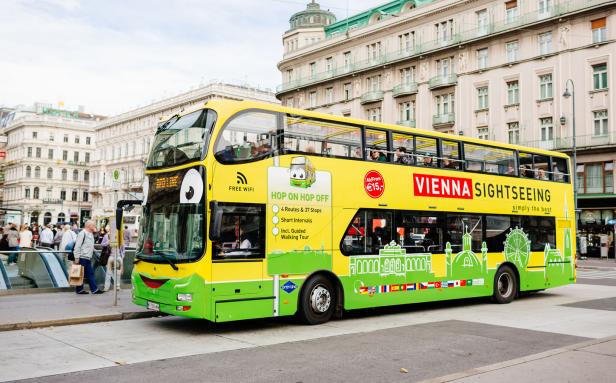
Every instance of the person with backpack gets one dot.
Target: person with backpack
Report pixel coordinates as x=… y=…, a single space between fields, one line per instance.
x=68 y=236
x=83 y=253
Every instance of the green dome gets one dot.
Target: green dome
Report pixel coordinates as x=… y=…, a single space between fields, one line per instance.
x=313 y=16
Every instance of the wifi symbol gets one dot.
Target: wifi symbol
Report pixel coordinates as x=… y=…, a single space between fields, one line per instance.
x=241 y=179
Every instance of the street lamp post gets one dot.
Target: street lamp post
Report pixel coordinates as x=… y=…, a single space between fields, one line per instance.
x=573 y=173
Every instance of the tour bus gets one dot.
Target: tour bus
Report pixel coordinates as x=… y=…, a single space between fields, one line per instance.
x=254 y=210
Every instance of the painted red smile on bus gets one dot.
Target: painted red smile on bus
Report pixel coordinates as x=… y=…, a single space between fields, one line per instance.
x=153 y=283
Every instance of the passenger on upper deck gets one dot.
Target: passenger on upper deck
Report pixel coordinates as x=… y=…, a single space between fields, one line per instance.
x=402 y=156
x=376 y=155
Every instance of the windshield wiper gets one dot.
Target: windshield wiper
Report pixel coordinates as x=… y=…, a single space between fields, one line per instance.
x=170 y=121
x=166 y=258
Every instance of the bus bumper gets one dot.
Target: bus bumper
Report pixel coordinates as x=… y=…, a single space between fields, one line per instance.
x=174 y=296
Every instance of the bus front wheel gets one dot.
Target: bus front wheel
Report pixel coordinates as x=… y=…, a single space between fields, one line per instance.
x=318 y=300
x=505 y=285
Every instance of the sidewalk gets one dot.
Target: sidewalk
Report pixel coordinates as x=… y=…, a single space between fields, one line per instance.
x=591 y=361
x=596 y=263
x=66 y=308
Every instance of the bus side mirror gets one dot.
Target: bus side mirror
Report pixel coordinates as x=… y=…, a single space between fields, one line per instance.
x=215 y=221
x=118 y=218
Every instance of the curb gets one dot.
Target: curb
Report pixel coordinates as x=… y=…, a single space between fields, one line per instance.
x=82 y=320
x=602 y=268
x=509 y=363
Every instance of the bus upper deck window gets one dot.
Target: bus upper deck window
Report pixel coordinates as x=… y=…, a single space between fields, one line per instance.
x=425 y=151
x=247 y=136
x=376 y=145
x=559 y=169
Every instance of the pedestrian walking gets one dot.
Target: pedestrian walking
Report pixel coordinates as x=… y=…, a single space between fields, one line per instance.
x=68 y=236
x=57 y=238
x=13 y=239
x=46 y=239
x=126 y=237
x=84 y=250
x=25 y=236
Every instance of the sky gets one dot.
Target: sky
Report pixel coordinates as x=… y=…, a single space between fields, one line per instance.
x=113 y=56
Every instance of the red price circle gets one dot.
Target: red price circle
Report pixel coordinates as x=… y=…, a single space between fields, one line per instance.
x=374 y=184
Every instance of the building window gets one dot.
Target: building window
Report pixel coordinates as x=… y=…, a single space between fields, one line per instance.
x=38 y=152
x=329 y=64
x=74 y=195
x=347 y=61
x=407 y=111
x=407 y=75
x=76 y=139
x=599 y=30
x=482 y=98
x=348 y=91
x=512 y=51
x=86 y=176
x=547 y=129
x=513 y=92
x=85 y=196
x=407 y=42
x=37 y=172
x=66 y=138
x=596 y=178
x=65 y=155
x=511 y=11
x=34 y=135
x=374 y=51
x=64 y=174
x=29 y=152
x=28 y=171
x=51 y=137
x=75 y=175
x=76 y=156
x=374 y=114
x=483 y=133
x=482 y=22
x=49 y=173
x=374 y=83
x=444 y=67
x=545 y=86
x=329 y=95
x=600 y=123
x=27 y=192
x=88 y=140
x=313 y=69
x=88 y=157
x=50 y=154
x=444 y=31
x=545 y=43
x=599 y=76
x=313 y=99
x=63 y=195
x=513 y=129
x=545 y=8
x=36 y=193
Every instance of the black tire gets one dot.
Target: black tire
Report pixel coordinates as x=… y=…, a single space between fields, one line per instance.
x=505 y=285
x=318 y=300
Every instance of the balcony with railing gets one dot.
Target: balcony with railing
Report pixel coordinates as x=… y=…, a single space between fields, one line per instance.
x=53 y=201
x=443 y=81
x=372 y=96
x=463 y=37
x=405 y=89
x=407 y=123
x=566 y=143
x=443 y=119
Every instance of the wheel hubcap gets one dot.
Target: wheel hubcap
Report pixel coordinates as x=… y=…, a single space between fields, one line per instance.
x=320 y=299
x=505 y=285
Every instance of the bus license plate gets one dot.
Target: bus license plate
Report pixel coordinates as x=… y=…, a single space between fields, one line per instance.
x=153 y=306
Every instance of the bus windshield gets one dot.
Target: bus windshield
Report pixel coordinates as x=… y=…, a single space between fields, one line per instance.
x=172 y=228
x=181 y=139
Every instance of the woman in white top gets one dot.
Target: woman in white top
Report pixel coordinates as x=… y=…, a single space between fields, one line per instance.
x=25 y=236
x=68 y=236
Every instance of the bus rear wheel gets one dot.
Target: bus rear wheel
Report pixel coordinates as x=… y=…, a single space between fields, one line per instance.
x=318 y=300
x=505 y=285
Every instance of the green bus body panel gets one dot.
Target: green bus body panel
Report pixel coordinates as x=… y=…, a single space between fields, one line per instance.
x=298 y=262
x=247 y=309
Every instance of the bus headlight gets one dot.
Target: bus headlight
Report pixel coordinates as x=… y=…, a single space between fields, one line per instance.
x=185 y=297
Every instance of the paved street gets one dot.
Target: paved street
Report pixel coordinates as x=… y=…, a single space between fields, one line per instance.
x=427 y=340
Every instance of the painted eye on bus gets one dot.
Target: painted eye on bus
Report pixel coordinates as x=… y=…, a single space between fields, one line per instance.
x=299 y=174
x=192 y=187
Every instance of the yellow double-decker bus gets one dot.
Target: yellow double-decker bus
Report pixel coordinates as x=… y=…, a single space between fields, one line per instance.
x=254 y=210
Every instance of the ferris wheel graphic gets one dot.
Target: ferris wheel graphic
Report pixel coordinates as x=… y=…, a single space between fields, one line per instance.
x=517 y=247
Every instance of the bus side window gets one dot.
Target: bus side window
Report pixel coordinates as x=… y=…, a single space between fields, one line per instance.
x=559 y=169
x=541 y=169
x=323 y=138
x=425 y=151
x=368 y=232
x=404 y=148
x=418 y=232
x=247 y=136
x=242 y=232
x=376 y=145
x=526 y=165
x=450 y=154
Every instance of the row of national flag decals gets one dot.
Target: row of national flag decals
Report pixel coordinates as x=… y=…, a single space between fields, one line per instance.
x=382 y=289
